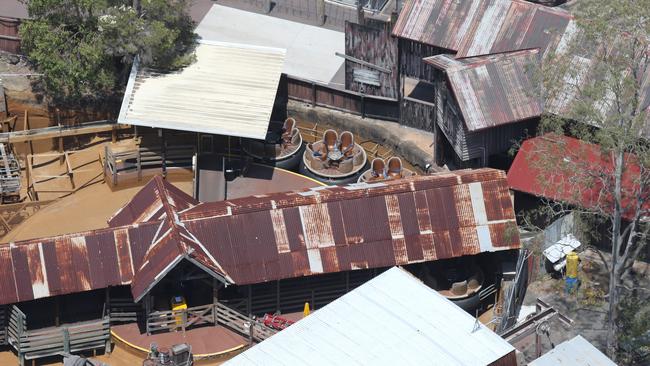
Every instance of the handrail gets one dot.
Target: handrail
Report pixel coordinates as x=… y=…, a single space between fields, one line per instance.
x=60 y=131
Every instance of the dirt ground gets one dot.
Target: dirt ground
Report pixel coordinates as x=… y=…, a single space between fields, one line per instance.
x=87 y=209
x=587 y=307
x=119 y=357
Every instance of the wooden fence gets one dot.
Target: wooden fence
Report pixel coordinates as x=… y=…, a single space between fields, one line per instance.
x=32 y=344
x=240 y=323
x=138 y=159
x=123 y=310
x=322 y=95
x=217 y=314
x=9 y=37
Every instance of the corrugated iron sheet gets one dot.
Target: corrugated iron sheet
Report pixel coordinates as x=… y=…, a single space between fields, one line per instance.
x=147 y=204
x=481 y=27
x=393 y=319
x=492 y=90
x=71 y=263
x=229 y=90
x=575 y=352
x=569 y=170
x=269 y=237
x=331 y=229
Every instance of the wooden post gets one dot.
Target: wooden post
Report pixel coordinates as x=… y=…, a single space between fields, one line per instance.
x=66 y=340
x=57 y=311
x=320 y=12
x=277 y=295
x=363 y=106
x=147 y=310
x=347 y=281
x=61 y=158
x=114 y=135
x=139 y=163
x=164 y=154
x=251 y=330
x=215 y=299
x=313 y=94
x=249 y=303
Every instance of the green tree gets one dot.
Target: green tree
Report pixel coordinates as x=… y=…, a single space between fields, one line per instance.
x=597 y=88
x=84 y=48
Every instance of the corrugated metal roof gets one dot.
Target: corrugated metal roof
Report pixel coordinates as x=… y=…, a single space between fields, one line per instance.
x=270 y=237
x=574 y=352
x=332 y=229
x=569 y=170
x=393 y=319
x=492 y=90
x=510 y=25
x=229 y=90
x=147 y=204
x=481 y=27
x=583 y=71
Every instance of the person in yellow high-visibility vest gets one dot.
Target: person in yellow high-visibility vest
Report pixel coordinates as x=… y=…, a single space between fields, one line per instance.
x=572 y=261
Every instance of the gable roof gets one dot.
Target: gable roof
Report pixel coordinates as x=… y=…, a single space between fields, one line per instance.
x=229 y=90
x=492 y=90
x=481 y=27
x=393 y=319
x=569 y=170
x=270 y=237
x=148 y=204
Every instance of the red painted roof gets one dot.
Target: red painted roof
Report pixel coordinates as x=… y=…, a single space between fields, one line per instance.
x=569 y=170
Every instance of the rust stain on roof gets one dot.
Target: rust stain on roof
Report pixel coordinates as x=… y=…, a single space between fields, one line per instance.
x=482 y=27
x=269 y=237
x=492 y=90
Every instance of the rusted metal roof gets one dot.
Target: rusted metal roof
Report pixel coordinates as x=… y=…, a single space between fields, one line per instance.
x=147 y=204
x=171 y=244
x=269 y=237
x=71 y=263
x=332 y=229
x=481 y=27
x=492 y=90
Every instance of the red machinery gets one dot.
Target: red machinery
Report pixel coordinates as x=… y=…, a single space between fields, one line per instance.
x=276 y=321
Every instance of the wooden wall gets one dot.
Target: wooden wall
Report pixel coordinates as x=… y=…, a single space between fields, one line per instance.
x=9 y=38
x=375 y=45
x=310 y=11
x=417 y=113
x=410 y=59
x=470 y=145
x=322 y=95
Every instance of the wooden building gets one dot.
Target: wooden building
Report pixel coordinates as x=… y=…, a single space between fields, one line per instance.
x=228 y=259
x=442 y=41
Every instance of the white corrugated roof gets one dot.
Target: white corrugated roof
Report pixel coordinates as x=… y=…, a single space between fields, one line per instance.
x=574 y=352
x=310 y=49
x=393 y=319
x=229 y=90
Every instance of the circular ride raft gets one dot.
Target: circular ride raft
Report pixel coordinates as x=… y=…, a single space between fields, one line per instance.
x=281 y=148
x=381 y=171
x=335 y=159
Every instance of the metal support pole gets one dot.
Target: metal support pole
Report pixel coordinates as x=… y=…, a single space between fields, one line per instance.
x=164 y=153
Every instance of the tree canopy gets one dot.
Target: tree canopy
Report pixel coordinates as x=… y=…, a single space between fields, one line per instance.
x=597 y=88
x=84 y=48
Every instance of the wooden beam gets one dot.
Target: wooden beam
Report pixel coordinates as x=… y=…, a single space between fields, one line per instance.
x=57 y=131
x=364 y=63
